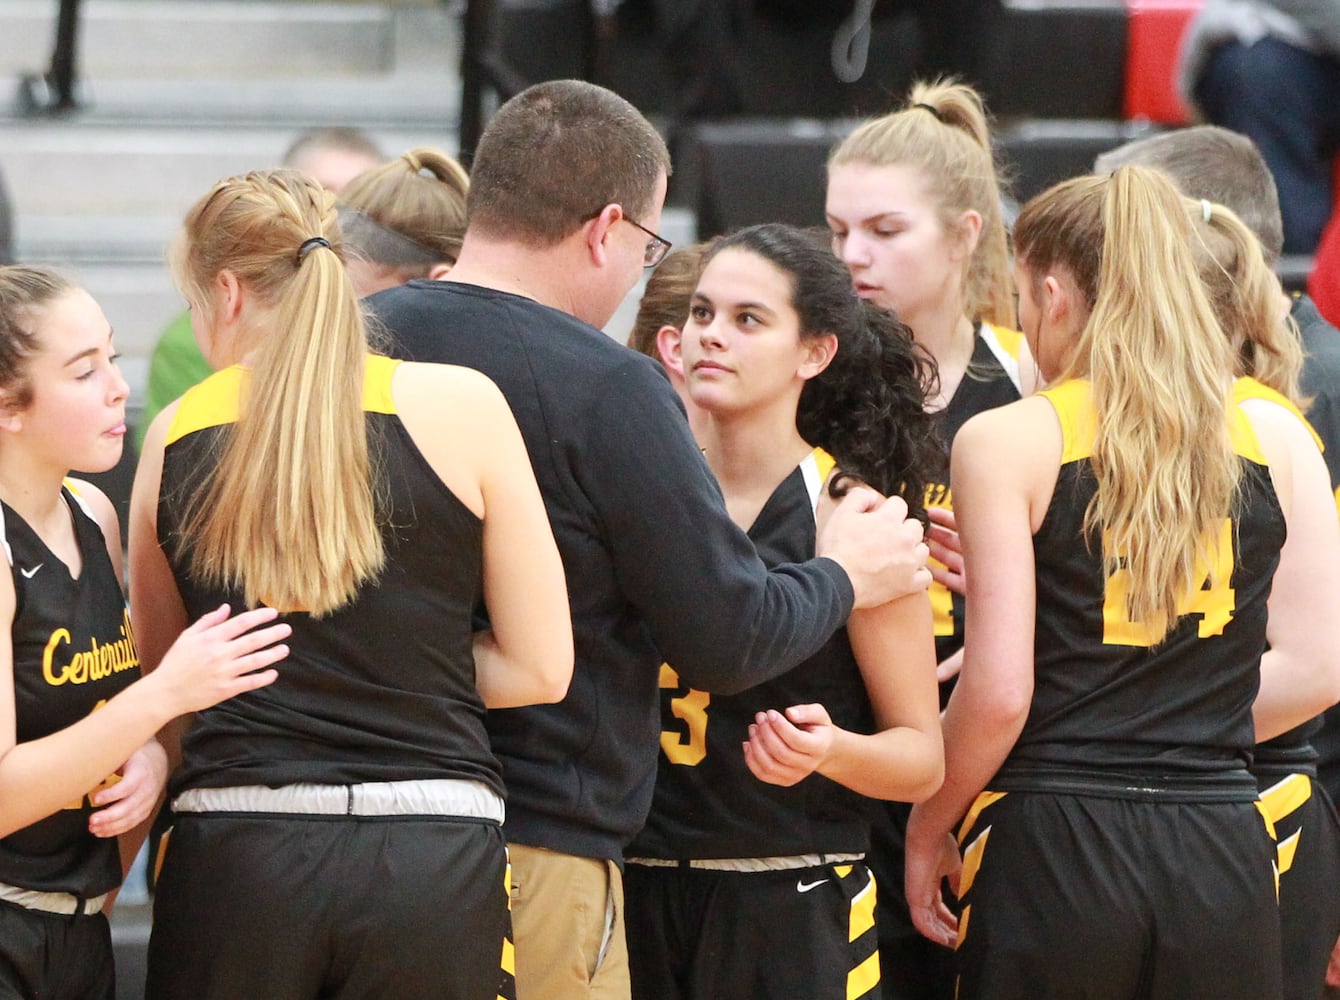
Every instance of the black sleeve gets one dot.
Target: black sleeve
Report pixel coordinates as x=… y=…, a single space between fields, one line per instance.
x=714 y=609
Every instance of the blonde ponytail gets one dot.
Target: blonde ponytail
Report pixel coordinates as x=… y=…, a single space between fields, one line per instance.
x=419 y=196
x=1247 y=299
x=1160 y=368
x=288 y=514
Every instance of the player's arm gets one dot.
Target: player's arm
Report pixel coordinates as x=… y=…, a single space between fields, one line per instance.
x=462 y=423
x=1003 y=468
x=1300 y=672
x=904 y=758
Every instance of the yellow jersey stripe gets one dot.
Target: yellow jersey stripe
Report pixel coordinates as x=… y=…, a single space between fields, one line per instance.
x=1073 y=402
x=214 y=402
x=1248 y=388
x=962 y=933
x=1005 y=345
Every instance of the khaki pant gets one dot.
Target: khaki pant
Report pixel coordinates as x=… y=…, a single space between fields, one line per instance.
x=568 y=926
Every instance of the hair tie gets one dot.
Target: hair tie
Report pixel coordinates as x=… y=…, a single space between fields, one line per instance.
x=1206 y=210
x=309 y=245
x=932 y=109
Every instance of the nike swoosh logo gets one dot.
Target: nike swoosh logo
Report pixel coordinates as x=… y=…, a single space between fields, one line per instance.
x=807 y=886
x=28 y=574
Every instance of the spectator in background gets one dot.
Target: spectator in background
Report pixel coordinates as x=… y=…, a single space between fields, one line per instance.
x=1270 y=69
x=334 y=156
x=404 y=219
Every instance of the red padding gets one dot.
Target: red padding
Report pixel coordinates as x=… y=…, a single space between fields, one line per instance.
x=1153 y=38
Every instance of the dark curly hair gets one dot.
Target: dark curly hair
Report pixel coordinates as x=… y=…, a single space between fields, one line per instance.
x=868 y=407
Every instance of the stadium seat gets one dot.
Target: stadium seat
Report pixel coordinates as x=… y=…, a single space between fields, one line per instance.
x=1154 y=38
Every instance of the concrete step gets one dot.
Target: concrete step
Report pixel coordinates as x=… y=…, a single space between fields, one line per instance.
x=418 y=84
x=67 y=181
x=381 y=102
x=204 y=38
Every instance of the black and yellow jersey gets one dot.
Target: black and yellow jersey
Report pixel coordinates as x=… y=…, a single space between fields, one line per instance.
x=707 y=803
x=1113 y=709
x=73 y=650
x=992 y=380
x=381 y=689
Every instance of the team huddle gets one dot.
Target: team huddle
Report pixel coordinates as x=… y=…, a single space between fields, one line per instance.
x=920 y=609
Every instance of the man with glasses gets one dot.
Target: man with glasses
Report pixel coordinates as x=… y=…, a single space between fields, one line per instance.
x=565 y=197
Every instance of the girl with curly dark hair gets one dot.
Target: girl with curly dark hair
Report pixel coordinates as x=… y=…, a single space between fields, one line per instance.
x=805 y=387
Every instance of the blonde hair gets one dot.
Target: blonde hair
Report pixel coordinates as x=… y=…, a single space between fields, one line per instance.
x=1160 y=368
x=943 y=130
x=287 y=514
x=1246 y=297
x=419 y=195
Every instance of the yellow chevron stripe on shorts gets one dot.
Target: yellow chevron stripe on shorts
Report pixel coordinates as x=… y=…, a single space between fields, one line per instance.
x=863 y=979
x=1286 y=795
x=1285 y=851
x=983 y=800
x=972 y=861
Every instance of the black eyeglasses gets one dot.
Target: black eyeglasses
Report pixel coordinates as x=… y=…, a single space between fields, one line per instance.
x=657 y=247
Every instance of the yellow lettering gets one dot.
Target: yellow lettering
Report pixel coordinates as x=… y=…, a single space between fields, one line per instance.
x=942 y=607
x=95 y=663
x=1214 y=600
x=58 y=637
x=939 y=495
x=691 y=707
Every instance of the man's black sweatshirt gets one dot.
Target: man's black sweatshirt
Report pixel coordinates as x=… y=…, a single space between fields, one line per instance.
x=656 y=570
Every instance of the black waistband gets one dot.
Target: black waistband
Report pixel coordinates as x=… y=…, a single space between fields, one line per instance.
x=1226 y=786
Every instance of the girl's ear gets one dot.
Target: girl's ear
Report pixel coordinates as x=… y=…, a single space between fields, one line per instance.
x=1061 y=301
x=669 y=346
x=968 y=232
x=819 y=354
x=439 y=270
x=229 y=296
x=11 y=413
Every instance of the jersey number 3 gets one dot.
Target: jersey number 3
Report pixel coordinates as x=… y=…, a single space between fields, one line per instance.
x=689 y=747
x=1214 y=601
